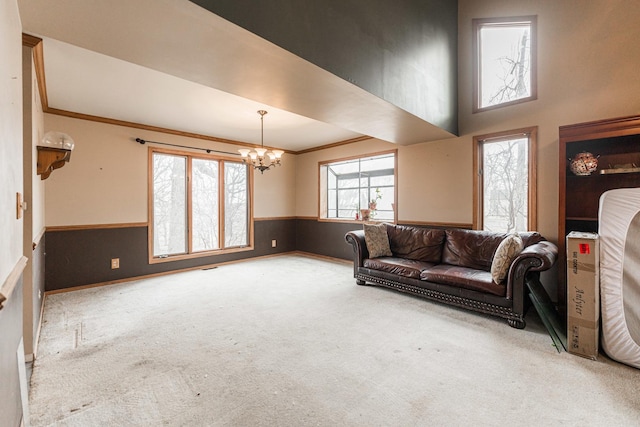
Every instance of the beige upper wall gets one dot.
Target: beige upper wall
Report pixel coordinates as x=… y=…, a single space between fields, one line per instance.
x=420 y=178
x=588 y=59
x=34 y=130
x=10 y=136
x=588 y=62
x=106 y=180
x=37 y=196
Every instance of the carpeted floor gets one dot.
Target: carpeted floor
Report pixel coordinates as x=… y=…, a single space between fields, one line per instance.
x=293 y=341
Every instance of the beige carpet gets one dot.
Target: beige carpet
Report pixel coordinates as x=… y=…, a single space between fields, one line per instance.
x=293 y=341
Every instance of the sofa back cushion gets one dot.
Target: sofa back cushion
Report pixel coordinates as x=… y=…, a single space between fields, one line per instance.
x=471 y=248
x=420 y=244
x=475 y=248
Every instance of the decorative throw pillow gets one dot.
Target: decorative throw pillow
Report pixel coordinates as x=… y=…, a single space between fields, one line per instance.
x=507 y=250
x=375 y=236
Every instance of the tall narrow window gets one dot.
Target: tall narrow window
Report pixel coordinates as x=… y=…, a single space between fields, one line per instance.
x=347 y=186
x=199 y=204
x=236 y=204
x=169 y=204
x=504 y=51
x=505 y=181
x=205 y=205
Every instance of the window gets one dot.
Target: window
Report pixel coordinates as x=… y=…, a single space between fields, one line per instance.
x=349 y=185
x=505 y=181
x=198 y=204
x=504 y=51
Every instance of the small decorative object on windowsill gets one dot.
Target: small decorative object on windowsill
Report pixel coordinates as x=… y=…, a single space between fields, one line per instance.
x=258 y=158
x=365 y=214
x=583 y=164
x=53 y=152
x=373 y=204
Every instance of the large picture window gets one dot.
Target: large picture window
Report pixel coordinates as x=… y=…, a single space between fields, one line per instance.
x=505 y=181
x=349 y=185
x=504 y=51
x=198 y=205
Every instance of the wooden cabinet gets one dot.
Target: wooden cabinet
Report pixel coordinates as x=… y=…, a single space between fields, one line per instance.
x=616 y=142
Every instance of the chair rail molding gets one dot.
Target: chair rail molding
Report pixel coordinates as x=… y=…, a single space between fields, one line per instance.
x=12 y=280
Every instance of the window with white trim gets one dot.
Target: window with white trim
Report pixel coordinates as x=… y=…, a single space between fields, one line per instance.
x=198 y=204
x=349 y=186
x=504 y=51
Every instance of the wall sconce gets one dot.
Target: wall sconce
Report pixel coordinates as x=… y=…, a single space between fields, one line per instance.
x=53 y=152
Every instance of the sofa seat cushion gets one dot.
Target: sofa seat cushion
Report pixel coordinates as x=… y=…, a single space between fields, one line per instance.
x=464 y=277
x=400 y=266
x=420 y=244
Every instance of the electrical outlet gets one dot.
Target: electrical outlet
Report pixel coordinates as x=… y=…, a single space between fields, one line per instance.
x=115 y=263
x=273 y=243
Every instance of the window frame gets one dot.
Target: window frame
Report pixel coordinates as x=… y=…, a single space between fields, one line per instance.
x=322 y=216
x=478 y=183
x=190 y=254
x=477 y=24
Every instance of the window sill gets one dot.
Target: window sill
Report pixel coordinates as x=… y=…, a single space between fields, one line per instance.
x=356 y=221
x=181 y=257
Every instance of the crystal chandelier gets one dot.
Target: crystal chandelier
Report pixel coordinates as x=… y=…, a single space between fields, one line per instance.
x=261 y=159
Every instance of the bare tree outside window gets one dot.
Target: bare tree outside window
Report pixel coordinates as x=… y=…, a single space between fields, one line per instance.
x=204 y=189
x=505 y=61
x=189 y=195
x=236 y=207
x=505 y=184
x=169 y=208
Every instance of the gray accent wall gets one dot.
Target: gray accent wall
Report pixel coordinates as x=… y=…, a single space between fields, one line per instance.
x=402 y=51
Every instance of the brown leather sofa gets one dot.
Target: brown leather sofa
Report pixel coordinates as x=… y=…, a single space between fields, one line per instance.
x=453 y=266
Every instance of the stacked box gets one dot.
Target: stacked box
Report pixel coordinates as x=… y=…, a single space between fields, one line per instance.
x=583 y=294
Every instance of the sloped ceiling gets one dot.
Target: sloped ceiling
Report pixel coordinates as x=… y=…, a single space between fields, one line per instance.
x=172 y=64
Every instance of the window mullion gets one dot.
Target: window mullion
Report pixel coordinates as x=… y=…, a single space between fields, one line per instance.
x=189 y=204
x=360 y=186
x=221 y=205
x=337 y=191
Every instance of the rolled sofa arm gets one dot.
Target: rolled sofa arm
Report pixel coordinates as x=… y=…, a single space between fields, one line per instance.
x=360 y=251
x=545 y=252
x=537 y=257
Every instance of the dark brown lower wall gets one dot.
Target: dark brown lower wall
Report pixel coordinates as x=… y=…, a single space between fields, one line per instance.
x=327 y=238
x=324 y=238
x=10 y=337
x=83 y=257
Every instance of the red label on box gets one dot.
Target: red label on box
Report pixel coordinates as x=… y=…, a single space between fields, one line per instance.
x=584 y=248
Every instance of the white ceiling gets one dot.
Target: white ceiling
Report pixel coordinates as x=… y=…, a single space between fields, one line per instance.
x=87 y=82
x=172 y=64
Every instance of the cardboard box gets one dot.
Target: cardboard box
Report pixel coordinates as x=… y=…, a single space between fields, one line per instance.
x=583 y=294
